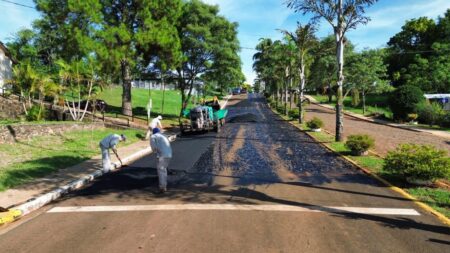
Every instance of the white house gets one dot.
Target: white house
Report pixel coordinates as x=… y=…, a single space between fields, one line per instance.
x=6 y=62
x=444 y=99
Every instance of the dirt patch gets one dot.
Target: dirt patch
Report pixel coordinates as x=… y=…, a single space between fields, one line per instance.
x=386 y=138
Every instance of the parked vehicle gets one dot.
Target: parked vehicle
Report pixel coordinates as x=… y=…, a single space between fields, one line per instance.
x=243 y=91
x=236 y=91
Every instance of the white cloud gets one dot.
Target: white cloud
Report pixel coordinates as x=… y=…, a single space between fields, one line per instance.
x=396 y=16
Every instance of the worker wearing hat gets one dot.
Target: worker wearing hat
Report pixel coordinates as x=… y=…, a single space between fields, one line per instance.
x=110 y=142
x=155 y=123
x=160 y=144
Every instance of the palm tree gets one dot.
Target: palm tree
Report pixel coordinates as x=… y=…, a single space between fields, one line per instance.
x=305 y=40
x=78 y=77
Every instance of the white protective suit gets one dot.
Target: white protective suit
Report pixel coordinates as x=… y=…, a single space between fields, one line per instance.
x=107 y=143
x=161 y=145
x=156 y=122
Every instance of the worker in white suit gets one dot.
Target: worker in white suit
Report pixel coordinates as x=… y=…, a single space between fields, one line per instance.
x=155 y=123
x=160 y=144
x=110 y=142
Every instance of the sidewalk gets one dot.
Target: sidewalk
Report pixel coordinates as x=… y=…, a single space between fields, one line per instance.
x=442 y=134
x=37 y=187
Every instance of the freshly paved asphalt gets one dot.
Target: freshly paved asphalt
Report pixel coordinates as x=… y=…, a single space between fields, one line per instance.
x=257 y=159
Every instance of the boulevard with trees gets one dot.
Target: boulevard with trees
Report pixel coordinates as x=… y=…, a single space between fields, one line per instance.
x=415 y=62
x=416 y=56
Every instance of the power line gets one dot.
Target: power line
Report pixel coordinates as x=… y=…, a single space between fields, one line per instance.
x=19 y=4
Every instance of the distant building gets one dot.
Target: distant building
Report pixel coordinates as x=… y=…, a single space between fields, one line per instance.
x=443 y=99
x=6 y=63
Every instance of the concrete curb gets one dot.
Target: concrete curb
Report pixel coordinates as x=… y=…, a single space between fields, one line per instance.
x=402 y=192
x=33 y=204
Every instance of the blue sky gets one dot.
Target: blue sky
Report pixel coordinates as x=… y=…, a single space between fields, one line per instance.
x=261 y=18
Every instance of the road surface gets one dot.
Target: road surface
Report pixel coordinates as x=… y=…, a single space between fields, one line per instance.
x=259 y=185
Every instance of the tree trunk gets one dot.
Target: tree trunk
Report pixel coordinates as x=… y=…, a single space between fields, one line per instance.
x=285 y=97
x=291 y=97
x=126 y=94
x=301 y=88
x=330 y=93
x=364 y=102
x=339 y=95
x=339 y=34
x=163 y=95
x=278 y=96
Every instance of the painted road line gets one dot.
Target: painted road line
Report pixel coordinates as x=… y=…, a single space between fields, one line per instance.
x=231 y=207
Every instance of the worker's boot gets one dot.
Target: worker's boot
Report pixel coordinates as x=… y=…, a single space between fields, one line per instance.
x=162 y=190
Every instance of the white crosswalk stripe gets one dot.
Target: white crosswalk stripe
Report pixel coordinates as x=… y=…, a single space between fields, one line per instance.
x=232 y=207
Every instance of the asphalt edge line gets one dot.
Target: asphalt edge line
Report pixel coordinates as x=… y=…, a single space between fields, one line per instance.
x=402 y=192
x=33 y=204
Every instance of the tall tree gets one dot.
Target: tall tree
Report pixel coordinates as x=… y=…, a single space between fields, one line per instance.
x=367 y=74
x=117 y=32
x=207 y=41
x=414 y=40
x=305 y=40
x=261 y=63
x=342 y=15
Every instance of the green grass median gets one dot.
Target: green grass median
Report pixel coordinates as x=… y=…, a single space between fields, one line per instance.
x=24 y=161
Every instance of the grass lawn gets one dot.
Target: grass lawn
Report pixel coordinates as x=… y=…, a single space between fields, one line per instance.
x=22 y=161
x=374 y=104
x=437 y=198
x=140 y=98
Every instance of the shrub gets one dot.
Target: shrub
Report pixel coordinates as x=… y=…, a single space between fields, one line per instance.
x=294 y=113
x=315 y=123
x=281 y=108
x=404 y=100
x=446 y=120
x=359 y=143
x=423 y=162
x=430 y=114
x=35 y=113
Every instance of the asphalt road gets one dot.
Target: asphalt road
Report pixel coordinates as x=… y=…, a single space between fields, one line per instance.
x=259 y=185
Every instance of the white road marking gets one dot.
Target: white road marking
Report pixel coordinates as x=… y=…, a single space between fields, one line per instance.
x=231 y=207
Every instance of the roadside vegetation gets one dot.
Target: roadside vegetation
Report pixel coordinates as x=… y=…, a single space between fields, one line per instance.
x=435 y=196
x=389 y=83
x=25 y=160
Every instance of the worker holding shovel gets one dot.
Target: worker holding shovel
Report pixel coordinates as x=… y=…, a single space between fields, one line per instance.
x=110 y=142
